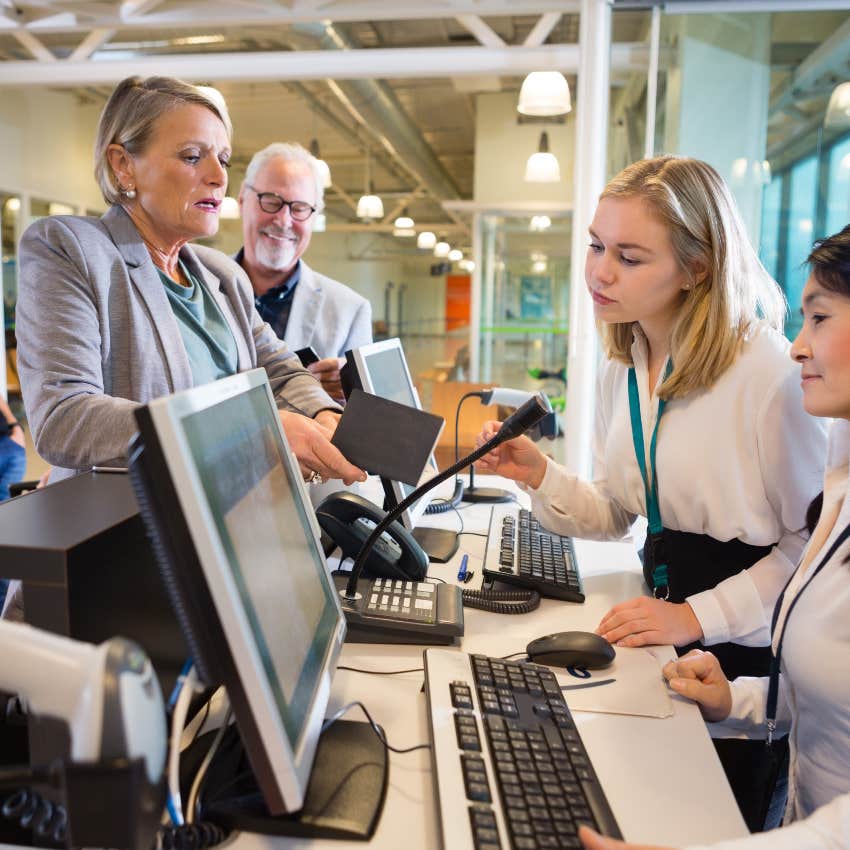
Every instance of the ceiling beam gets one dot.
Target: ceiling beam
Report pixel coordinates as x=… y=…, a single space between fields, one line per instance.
x=34 y=46
x=143 y=14
x=398 y=63
x=481 y=30
x=90 y=44
x=542 y=29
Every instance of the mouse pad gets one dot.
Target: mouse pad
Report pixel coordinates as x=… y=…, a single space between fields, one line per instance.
x=632 y=684
x=387 y=438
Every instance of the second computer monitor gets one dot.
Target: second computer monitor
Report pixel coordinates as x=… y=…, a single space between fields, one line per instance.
x=383 y=371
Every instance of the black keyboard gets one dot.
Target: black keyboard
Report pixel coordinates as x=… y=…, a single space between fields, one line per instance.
x=510 y=766
x=521 y=552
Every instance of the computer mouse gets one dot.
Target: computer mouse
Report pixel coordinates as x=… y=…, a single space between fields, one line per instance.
x=571 y=649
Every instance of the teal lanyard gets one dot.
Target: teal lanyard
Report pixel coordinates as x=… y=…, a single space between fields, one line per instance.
x=650 y=481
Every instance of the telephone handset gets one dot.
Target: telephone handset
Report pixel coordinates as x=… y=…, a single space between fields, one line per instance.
x=348 y=519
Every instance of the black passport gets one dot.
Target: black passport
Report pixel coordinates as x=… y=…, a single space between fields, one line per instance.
x=387 y=438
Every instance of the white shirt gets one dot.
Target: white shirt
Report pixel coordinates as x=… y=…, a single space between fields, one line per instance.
x=741 y=460
x=814 y=696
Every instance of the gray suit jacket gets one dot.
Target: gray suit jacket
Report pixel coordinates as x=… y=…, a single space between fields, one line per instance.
x=327 y=315
x=97 y=336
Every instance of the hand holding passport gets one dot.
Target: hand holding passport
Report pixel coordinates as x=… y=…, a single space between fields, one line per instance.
x=387 y=438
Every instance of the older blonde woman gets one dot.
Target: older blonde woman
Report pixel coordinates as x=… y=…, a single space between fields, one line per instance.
x=116 y=311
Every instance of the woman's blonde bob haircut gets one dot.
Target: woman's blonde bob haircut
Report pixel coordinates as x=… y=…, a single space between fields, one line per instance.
x=129 y=116
x=730 y=291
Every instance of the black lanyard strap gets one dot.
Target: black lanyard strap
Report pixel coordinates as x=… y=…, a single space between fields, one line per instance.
x=773 y=685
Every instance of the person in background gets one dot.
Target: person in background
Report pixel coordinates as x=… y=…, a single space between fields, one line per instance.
x=699 y=427
x=280 y=198
x=136 y=312
x=13 y=454
x=811 y=636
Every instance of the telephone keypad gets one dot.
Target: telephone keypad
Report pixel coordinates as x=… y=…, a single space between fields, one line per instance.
x=410 y=600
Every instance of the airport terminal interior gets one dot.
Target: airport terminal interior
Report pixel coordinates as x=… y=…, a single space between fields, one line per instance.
x=462 y=218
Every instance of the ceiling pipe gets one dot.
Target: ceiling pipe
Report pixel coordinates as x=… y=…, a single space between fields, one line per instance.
x=384 y=116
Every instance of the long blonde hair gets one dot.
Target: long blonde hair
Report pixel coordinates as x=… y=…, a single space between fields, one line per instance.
x=730 y=292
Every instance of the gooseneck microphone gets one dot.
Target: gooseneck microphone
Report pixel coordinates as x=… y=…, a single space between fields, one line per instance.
x=525 y=417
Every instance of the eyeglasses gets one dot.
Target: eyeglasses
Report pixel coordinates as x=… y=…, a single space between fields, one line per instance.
x=271 y=202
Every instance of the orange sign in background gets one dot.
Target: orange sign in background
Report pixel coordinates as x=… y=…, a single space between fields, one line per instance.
x=458 y=301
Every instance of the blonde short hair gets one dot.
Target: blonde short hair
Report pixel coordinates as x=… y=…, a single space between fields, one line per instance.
x=131 y=112
x=731 y=292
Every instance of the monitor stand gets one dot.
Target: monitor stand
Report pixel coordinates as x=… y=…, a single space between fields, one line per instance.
x=439 y=544
x=344 y=797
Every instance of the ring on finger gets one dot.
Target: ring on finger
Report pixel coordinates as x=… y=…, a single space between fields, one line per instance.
x=314 y=477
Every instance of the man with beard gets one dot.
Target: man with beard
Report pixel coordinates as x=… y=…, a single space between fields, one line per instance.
x=280 y=198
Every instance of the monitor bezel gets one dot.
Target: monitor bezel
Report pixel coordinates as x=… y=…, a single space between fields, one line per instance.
x=410 y=517
x=282 y=771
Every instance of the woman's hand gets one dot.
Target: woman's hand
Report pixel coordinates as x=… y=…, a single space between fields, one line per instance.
x=309 y=441
x=644 y=621
x=699 y=676
x=327 y=372
x=518 y=459
x=594 y=841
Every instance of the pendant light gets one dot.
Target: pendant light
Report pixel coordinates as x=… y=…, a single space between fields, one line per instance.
x=838 y=111
x=426 y=240
x=542 y=167
x=370 y=206
x=324 y=168
x=540 y=223
x=404 y=221
x=544 y=93
x=455 y=255
x=229 y=208
x=442 y=248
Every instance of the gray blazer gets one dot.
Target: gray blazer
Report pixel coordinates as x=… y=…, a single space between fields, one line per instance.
x=97 y=336
x=327 y=315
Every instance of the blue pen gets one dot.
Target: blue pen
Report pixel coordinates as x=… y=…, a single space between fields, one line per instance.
x=461 y=573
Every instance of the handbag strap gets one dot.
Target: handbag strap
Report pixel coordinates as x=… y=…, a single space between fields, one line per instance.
x=660 y=582
x=773 y=684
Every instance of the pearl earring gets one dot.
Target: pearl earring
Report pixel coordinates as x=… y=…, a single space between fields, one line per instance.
x=129 y=194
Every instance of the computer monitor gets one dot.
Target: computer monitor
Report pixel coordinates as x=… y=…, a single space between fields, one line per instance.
x=382 y=370
x=238 y=544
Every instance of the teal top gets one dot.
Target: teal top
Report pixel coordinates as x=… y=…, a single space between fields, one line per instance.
x=206 y=335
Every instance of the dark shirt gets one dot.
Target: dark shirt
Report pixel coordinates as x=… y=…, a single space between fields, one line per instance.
x=275 y=305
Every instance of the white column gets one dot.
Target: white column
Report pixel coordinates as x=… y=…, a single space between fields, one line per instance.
x=475 y=311
x=589 y=170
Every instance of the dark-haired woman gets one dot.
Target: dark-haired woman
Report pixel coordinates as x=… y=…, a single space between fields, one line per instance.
x=811 y=628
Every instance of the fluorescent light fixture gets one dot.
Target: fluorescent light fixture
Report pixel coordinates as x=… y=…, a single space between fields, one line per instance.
x=540 y=222
x=455 y=254
x=544 y=93
x=426 y=240
x=543 y=167
x=370 y=207
x=838 y=111
x=229 y=208
x=442 y=248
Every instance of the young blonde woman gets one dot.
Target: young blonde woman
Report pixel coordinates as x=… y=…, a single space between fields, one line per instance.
x=699 y=424
x=808 y=690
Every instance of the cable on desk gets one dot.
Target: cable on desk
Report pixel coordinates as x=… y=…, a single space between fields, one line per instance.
x=380 y=672
x=32 y=811
x=514 y=655
x=190 y=836
x=473 y=533
x=375 y=728
x=502 y=601
x=192 y=805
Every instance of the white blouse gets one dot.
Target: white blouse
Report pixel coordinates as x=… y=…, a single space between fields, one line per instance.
x=741 y=460
x=814 y=696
